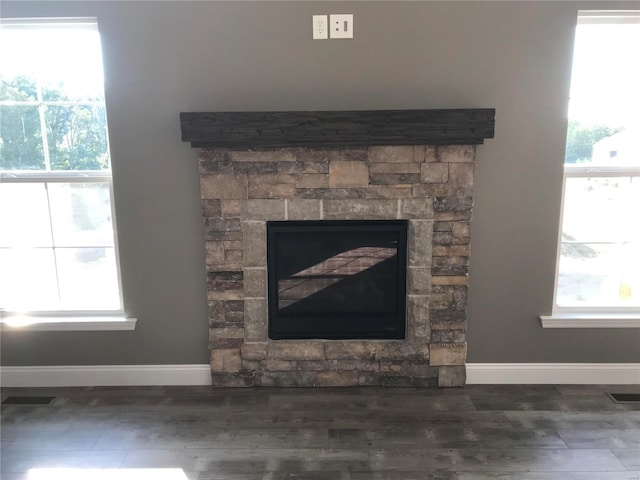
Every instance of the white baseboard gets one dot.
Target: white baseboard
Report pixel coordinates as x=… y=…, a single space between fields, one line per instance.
x=105 y=375
x=554 y=373
x=477 y=373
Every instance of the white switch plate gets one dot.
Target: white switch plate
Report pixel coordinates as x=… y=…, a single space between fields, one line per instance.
x=320 y=27
x=341 y=26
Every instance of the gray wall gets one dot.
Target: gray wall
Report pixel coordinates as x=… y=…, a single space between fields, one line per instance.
x=166 y=57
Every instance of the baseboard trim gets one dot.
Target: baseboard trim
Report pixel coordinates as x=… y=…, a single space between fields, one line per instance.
x=105 y=375
x=477 y=373
x=554 y=373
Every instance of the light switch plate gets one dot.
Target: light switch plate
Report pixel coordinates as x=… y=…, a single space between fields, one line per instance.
x=341 y=26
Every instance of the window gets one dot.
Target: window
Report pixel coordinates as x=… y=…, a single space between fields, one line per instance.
x=58 y=255
x=598 y=268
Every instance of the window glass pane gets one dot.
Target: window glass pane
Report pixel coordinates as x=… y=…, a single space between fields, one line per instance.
x=592 y=275
x=20 y=138
x=604 y=125
x=28 y=279
x=24 y=215
x=597 y=209
x=66 y=78
x=88 y=278
x=77 y=137
x=19 y=87
x=81 y=214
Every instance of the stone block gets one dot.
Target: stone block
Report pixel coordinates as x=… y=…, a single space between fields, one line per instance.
x=231 y=208
x=211 y=208
x=255 y=319
x=448 y=336
x=312 y=166
x=394 y=168
x=354 y=154
x=393 y=154
x=461 y=233
x=419 y=319
x=296 y=350
x=419 y=153
x=456 y=153
x=402 y=351
x=228 y=332
x=394 y=178
x=285 y=379
x=263 y=155
x=453 y=250
x=418 y=280
x=460 y=180
x=449 y=270
x=224 y=295
x=263 y=210
x=448 y=320
x=348 y=378
x=448 y=353
x=226 y=360
x=275 y=365
x=430 y=154
x=420 y=234
x=360 y=209
x=331 y=193
x=350 y=350
x=254 y=351
x=214 y=254
x=450 y=280
x=254 y=244
x=426 y=190
x=255 y=168
x=272 y=186
x=400 y=191
x=452 y=376
x=348 y=174
x=233 y=257
x=313 y=155
x=369 y=379
x=255 y=282
x=418 y=208
x=299 y=209
x=223 y=186
x=313 y=180
x=442 y=238
x=223 y=281
x=434 y=172
x=226 y=343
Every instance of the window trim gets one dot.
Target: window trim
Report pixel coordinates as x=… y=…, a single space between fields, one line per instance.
x=592 y=317
x=69 y=320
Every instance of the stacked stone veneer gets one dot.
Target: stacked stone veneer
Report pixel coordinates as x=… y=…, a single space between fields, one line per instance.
x=431 y=186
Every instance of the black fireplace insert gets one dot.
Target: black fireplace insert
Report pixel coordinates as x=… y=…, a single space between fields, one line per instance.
x=337 y=279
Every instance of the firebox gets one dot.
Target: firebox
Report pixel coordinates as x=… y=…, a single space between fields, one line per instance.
x=337 y=279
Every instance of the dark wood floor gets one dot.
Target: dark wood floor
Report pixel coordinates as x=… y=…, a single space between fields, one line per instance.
x=473 y=433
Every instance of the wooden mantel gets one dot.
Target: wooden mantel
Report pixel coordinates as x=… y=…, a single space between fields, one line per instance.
x=333 y=129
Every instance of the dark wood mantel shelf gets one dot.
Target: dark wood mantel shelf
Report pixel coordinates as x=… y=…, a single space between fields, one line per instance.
x=327 y=129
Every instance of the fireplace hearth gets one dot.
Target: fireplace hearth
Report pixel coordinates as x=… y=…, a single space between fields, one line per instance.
x=278 y=319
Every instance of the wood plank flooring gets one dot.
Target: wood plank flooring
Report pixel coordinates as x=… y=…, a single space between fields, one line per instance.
x=523 y=432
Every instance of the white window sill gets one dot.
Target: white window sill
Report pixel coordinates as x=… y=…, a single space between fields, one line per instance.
x=588 y=320
x=66 y=324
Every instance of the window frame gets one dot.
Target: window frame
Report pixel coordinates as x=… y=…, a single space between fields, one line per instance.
x=65 y=319
x=596 y=316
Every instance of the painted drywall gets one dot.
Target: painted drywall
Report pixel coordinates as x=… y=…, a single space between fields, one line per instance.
x=162 y=58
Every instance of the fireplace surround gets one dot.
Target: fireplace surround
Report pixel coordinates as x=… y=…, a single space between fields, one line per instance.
x=415 y=166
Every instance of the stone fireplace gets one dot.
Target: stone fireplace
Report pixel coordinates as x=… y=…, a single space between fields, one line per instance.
x=384 y=165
